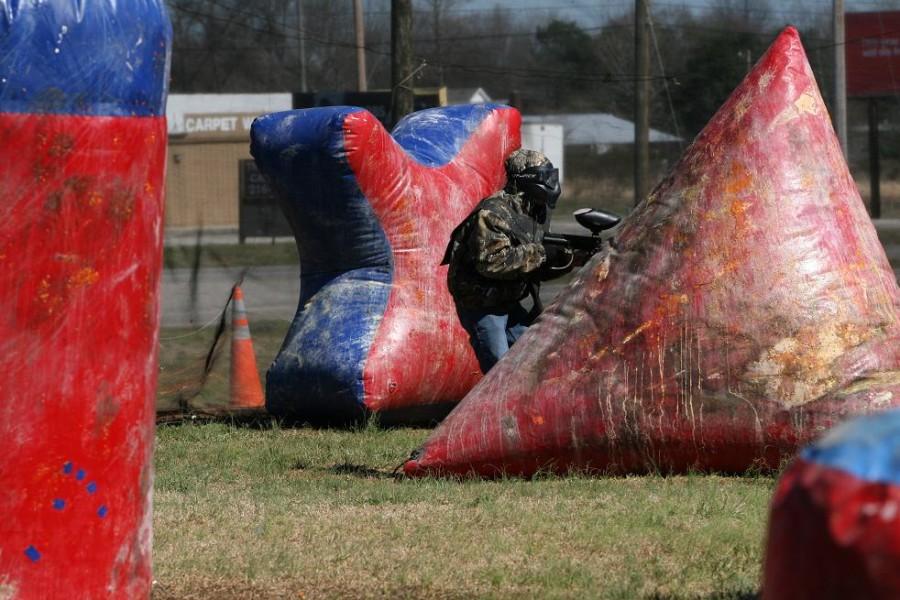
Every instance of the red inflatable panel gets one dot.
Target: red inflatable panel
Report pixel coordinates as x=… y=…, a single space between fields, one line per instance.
x=834 y=530
x=421 y=354
x=748 y=306
x=80 y=256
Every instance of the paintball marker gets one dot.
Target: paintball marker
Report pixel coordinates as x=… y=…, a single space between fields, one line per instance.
x=582 y=247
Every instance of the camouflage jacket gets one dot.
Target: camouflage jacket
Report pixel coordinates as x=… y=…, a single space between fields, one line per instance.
x=492 y=251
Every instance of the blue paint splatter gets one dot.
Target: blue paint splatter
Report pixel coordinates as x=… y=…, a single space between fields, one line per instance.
x=92 y=487
x=80 y=474
x=32 y=553
x=101 y=512
x=59 y=503
x=67 y=468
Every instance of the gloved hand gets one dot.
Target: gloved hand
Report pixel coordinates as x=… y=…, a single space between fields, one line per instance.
x=558 y=257
x=558 y=261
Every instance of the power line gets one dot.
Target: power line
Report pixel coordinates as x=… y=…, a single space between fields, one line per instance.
x=288 y=32
x=237 y=18
x=662 y=69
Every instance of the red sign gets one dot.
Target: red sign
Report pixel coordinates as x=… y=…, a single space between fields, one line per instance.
x=873 y=53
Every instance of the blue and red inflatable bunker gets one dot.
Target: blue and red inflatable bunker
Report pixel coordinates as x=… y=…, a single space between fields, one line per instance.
x=834 y=530
x=372 y=212
x=82 y=160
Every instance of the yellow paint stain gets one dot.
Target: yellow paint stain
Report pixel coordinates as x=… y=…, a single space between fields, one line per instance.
x=807 y=104
x=691 y=194
x=887 y=379
x=636 y=332
x=148 y=188
x=50 y=301
x=84 y=277
x=739 y=179
x=807 y=181
x=95 y=198
x=406 y=229
x=738 y=211
x=599 y=354
x=743 y=104
x=43 y=291
x=670 y=304
x=9 y=590
x=765 y=79
x=799 y=369
x=537 y=420
x=730 y=266
x=402 y=202
x=601 y=271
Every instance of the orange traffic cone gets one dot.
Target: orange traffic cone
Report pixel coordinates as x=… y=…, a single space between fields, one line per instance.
x=246 y=390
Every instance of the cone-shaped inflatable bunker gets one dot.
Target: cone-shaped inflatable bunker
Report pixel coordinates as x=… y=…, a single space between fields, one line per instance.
x=82 y=165
x=834 y=531
x=372 y=213
x=748 y=307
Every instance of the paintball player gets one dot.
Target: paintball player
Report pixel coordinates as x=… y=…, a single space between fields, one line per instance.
x=497 y=259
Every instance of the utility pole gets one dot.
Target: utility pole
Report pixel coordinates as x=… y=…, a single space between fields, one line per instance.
x=302 y=40
x=641 y=99
x=359 y=23
x=436 y=7
x=840 y=74
x=401 y=59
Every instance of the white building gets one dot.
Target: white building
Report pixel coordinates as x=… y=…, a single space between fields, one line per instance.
x=600 y=131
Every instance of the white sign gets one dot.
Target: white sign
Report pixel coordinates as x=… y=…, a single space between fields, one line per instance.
x=217 y=123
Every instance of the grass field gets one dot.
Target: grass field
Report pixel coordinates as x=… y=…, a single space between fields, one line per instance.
x=264 y=512
x=229 y=255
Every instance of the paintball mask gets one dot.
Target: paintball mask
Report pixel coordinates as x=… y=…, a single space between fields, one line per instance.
x=540 y=184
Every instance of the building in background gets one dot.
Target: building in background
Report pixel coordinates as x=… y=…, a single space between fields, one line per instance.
x=467 y=96
x=598 y=132
x=212 y=182
x=209 y=142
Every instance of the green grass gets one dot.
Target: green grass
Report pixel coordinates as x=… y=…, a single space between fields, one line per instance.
x=230 y=255
x=305 y=513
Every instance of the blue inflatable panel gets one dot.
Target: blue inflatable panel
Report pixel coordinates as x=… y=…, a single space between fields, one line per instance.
x=372 y=212
x=435 y=136
x=52 y=61
x=867 y=448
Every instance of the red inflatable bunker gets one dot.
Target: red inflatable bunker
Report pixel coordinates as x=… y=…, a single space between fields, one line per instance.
x=748 y=307
x=372 y=212
x=834 y=531
x=83 y=145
